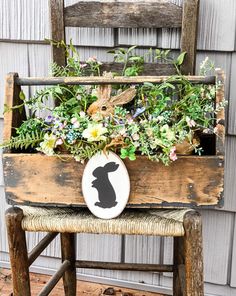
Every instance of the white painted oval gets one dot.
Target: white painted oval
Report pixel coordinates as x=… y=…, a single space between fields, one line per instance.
x=98 y=178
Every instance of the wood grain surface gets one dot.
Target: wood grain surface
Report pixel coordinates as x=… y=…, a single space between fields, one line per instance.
x=109 y=14
x=39 y=179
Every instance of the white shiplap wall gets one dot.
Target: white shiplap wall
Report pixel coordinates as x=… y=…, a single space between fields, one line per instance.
x=26 y=21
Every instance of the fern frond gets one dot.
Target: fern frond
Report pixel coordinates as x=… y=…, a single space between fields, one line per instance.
x=24 y=141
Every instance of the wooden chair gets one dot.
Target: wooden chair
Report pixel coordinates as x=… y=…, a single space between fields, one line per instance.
x=182 y=224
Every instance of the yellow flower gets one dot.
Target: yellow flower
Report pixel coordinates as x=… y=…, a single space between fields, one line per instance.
x=95 y=132
x=48 y=144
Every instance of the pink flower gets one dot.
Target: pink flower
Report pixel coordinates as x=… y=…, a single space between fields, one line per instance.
x=58 y=142
x=190 y=122
x=172 y=154
x=92 y=59
x=83 y=65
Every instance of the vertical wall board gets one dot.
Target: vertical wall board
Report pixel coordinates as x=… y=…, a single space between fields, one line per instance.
x=100 y=53
x=3 y=207
x=90 y=36
x=232 y=103
x=217 y=238
x=209 y=289
x=24 y=19
x=216 y=27
x=39 y=65
x=1 y=167
x=230 y=175
x=141 y=249
x=14 y=58
x=98 y=247
x=137 y=36
x=233 y=262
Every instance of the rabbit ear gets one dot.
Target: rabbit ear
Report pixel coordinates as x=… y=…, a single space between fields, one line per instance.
x=104 y=92
x=111 y=167
x=125 y=97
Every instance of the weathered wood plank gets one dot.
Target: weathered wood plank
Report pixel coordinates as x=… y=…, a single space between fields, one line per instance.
x=50 y=175
x=14 y=118
x=107 y=80
x=149 y=68
x=123 y=14
x=188 y=41
x=220 y=117
x=57 y=30
x=124 y=266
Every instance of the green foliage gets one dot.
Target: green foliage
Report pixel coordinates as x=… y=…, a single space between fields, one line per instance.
x=24 y=141
x=160 y=117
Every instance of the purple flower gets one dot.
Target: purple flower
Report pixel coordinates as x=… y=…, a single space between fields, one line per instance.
x=138 y=112
x=49 y=119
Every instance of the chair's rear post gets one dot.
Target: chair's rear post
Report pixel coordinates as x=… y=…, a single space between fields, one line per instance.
x=188 y=258
x=13 y=118
x=57 y=30
x=220 y=119
x=189 y=35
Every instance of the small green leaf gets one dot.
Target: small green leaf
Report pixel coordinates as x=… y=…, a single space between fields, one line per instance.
x=22 y=95
x=180 y=59
x=58 y=90
x=131 y=48
x=132 y=157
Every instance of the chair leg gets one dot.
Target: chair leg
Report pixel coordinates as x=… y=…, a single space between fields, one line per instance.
x=188 y=258
x=18 y=252
x=68 y=247
x=179 y=268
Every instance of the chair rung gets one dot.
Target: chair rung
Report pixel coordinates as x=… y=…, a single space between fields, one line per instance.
x=54 y=279
x=124 y=266
x=38 y=249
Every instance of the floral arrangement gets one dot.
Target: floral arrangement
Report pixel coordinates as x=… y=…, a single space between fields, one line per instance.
x=154 y=120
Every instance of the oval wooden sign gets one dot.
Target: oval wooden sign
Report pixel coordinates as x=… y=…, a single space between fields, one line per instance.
x=106 y=185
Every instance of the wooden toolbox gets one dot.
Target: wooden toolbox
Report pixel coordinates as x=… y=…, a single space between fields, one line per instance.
x=36 y=179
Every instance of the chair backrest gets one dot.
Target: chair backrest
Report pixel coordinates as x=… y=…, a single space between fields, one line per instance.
x=158 y=14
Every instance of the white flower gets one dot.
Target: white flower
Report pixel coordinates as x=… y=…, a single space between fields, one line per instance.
x=190 y=122
x=122 y=132
x=82 y=114
x=170 y=135
x=95 y=132
x=48 y=144
x=135 y=137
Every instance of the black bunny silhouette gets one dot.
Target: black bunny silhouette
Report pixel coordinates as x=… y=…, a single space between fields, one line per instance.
x=106 y=192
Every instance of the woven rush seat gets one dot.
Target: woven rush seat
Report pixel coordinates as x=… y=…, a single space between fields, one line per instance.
x=144 y=222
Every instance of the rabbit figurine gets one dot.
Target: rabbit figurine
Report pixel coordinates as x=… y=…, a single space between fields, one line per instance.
x=105 y=104
x=106 y=192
